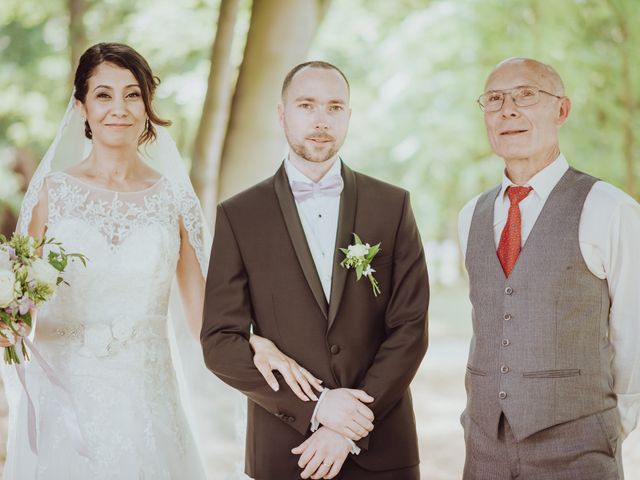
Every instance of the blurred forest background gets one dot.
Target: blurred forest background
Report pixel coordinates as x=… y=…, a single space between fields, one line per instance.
x=416 y=68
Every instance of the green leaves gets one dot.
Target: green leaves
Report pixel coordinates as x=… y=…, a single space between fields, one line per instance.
x=373 y=251
x=23 y=246
x=58 y=261
x=359 y=270
x=359 y=256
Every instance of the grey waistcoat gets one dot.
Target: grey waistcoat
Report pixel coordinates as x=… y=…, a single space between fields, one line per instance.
x=540 y=351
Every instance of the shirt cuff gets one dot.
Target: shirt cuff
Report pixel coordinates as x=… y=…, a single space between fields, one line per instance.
x=629 y=409
x=315 y=424
x=355 y=449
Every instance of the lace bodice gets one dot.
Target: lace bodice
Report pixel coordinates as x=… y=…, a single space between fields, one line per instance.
x=132 y=243
x=105 y=335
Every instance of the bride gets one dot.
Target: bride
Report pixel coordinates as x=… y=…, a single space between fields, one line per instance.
x=129 y=207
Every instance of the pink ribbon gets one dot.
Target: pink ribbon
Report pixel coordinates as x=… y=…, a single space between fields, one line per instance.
x=69 y=412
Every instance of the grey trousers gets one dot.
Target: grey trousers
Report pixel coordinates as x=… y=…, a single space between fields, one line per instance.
x=588 y=448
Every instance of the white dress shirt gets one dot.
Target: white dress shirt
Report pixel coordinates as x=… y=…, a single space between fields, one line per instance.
x=319 y=218
x=609 y=234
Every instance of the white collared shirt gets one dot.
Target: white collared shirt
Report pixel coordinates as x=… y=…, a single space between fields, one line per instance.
x=609 y=237
x=319 y=218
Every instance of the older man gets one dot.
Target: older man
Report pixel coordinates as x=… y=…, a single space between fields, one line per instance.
x=553 y=378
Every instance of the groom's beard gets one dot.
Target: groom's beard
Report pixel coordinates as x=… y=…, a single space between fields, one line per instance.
x=321 y=156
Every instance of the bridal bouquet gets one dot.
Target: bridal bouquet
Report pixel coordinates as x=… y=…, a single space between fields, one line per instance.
x=26 y=282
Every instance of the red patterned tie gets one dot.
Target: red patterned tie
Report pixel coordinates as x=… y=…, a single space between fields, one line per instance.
x=511 y=237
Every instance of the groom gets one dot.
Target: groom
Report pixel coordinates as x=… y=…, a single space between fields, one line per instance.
x=275 y=267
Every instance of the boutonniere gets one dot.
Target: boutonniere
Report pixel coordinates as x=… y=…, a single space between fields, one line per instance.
x=359 y=256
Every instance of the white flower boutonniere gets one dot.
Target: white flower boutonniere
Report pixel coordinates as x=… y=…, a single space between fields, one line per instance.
x=359 y=256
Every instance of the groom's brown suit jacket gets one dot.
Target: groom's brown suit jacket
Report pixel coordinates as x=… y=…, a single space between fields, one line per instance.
x=262 y=274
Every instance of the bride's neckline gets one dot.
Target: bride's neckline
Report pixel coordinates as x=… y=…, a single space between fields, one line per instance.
x=104 y=189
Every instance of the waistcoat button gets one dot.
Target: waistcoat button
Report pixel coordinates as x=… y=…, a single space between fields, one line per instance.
x=507 y=316
x=502 y=395
x=504 y=369
x=505 y=342
x=508 y=290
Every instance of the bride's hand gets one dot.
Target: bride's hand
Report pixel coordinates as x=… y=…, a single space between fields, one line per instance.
x=267 y=358
x=26 y=330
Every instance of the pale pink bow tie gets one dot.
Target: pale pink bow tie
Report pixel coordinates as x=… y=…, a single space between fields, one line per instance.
x=329 y=187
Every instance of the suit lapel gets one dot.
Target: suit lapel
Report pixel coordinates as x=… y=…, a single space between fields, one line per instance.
x=344 y=237
x=298 y=238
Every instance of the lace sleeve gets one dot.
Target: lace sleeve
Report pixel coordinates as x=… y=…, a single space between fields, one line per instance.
x=31 y=199
x=39 y=191
x=194 y=222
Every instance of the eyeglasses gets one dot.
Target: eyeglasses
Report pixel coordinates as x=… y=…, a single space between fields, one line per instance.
x=523 y=96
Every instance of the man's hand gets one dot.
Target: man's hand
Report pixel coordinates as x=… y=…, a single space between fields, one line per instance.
x=267 y=358
x=322 y=454
x=342 y=411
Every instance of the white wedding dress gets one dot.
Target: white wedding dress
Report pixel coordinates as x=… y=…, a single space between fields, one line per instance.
x=105 y=335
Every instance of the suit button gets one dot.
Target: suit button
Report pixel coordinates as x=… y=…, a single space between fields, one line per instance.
x=507 y=316
x=508 y=290
x=506 y=342
x=502 y=395
x=291 y=419
x=504 y=369
x=335 y=349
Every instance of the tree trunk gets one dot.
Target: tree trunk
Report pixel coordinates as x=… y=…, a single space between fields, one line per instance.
x=628 y=105
x=628 y=100
x=77 y=32
x=628 y=146
x=280 y=34
x=215 y=111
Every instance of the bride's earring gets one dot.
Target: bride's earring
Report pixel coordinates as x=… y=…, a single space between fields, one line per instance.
x=87 y=129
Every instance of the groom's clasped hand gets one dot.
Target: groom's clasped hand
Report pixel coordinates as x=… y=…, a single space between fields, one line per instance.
x=344 y=411
x=342 y=414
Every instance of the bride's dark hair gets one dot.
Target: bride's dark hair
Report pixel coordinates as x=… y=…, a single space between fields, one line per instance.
x=125 y=57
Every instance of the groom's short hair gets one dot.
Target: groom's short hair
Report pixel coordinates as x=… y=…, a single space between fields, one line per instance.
x=311 y=64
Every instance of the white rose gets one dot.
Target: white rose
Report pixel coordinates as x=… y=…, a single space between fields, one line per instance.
x=5 y=260
x=42 y=271
x=7 y=287
x=357 y=250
